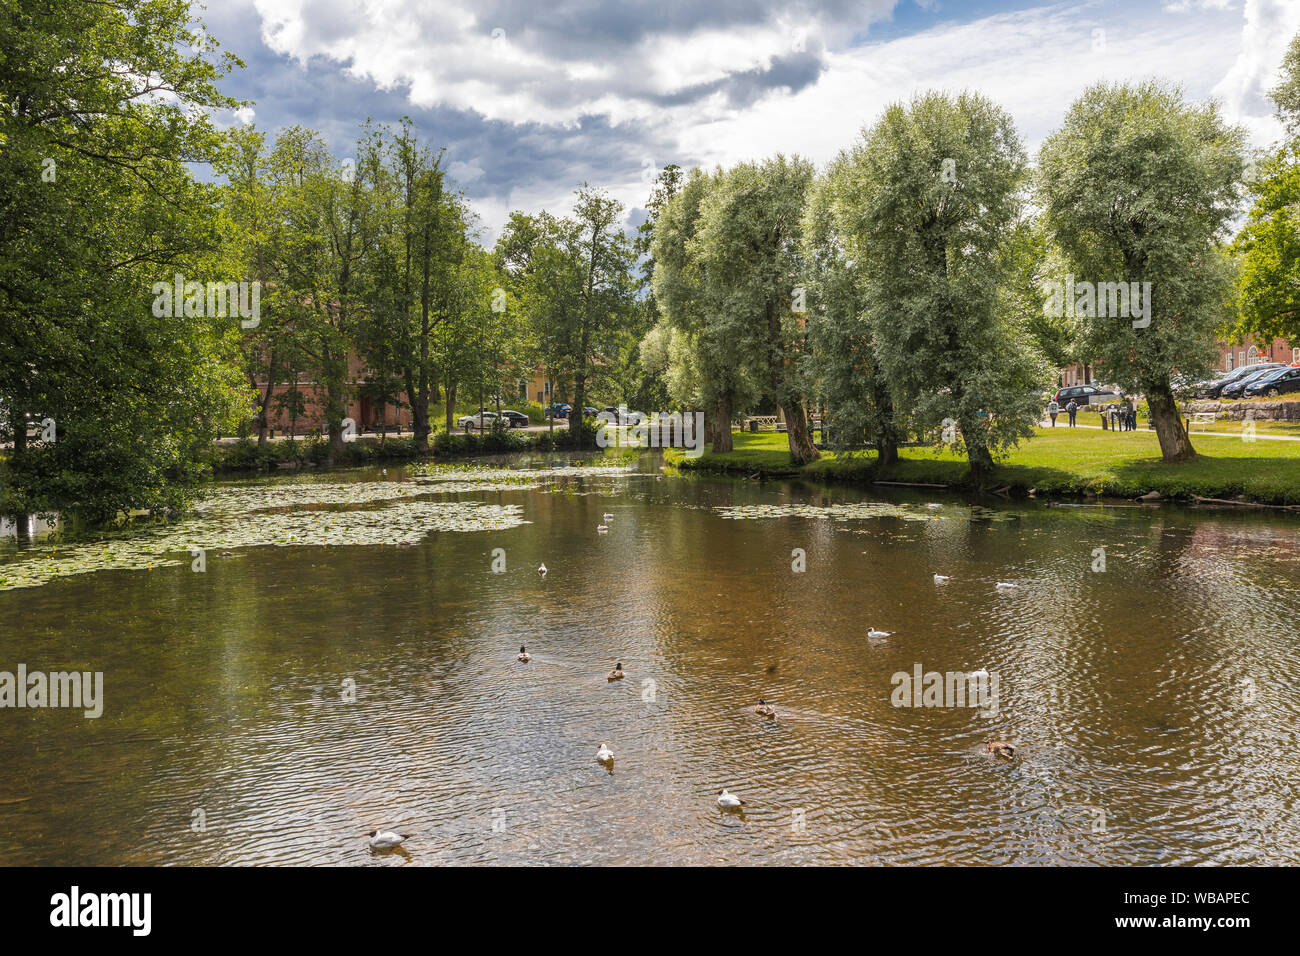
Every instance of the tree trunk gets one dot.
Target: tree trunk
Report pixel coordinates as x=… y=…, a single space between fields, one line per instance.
x=981 y=462
x=451 y=407
x=722 y=424
x=802 y=448
x=579 y=399
x=1168 y=421
x=18 y=418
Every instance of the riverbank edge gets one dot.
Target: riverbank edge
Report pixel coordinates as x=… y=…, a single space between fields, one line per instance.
x=1006 y=480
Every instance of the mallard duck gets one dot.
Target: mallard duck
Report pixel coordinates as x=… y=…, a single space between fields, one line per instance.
x=877 y=635
x=941 y=579
x=764 y=709
x=386 y=839
x=604 y=754
x=616 y=673
x=729 y=801
x=523 y=656
x=1000 y=748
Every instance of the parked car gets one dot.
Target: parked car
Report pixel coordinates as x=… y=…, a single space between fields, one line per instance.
x=1279 y=382
x=590 y=412
x=1087 y=395
x=1215 y=388
x=614 y=417
x=478 y=421
x=1235 y=389
x=558 y=410
x=513 y=418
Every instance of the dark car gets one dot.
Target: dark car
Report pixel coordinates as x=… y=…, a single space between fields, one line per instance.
x=1285 y=379
x=590 y=412
x=513 y=418
x=1086 y=395
x=1215 y=389
x=1235 y=389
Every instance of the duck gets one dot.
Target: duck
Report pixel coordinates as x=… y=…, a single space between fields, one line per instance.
x=941 y=579
x=601 y=529
x=607 y=516
x=541 y=569
x=604 y=754
x=386 y=839
x=1004 y=586
x=764 y=709
x=616 y=673
x=729 y=801
x=1000 y=748
x=877 y=635
x=523 y=656
x=980 y=674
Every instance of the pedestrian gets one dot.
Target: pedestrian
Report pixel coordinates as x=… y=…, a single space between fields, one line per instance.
x=1072 y=408
x=1132 y=417
x=1053 y=409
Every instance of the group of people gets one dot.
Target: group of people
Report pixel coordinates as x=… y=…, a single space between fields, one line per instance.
x=1123 y=417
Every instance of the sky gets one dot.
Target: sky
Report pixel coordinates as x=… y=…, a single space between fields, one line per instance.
x=531 y=99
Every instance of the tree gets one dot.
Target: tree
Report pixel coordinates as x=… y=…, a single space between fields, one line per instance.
x=105 y=105
x=748 y=247
x=1138 y=186
x=927 y=204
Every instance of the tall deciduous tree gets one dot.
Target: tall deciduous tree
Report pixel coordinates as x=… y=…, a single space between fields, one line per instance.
x=927 y=204
x=748 y=246
x=1138 y=186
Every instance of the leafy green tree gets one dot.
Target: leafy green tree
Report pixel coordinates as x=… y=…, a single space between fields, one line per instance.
x=748 y=245
x=1138 y=186
x=928 y=204
x=841 y=363
x=104 y=106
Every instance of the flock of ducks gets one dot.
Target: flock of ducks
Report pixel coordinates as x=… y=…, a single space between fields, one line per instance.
x=387 y=839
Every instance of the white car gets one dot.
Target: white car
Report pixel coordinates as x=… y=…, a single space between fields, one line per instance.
x=473 y=422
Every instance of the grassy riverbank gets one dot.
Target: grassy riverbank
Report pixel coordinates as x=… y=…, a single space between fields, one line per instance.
x=1056 y=462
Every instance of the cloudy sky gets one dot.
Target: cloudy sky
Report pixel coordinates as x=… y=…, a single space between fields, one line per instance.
x=531 y=98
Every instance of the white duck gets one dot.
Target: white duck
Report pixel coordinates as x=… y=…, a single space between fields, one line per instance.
x=604 y=754
x=386 y=839
x=941 y=579
x=729 y=801
x=541 y=569
x=608 y=517
x=1004 y=586
x=877 y=635
x=600 y=528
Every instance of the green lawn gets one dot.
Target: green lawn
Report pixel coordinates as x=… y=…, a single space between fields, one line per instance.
x=1060 y=461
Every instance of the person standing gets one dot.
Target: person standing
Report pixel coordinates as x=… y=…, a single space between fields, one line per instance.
x=1072 y=408
x=1053 y=409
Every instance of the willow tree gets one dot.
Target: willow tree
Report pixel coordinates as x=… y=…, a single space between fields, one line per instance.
x=1139 y=186
x=842 y=363
x=748 y=245
x=927 y=205
x=699 y=338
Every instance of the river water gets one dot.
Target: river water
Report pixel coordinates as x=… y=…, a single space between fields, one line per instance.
x=344 y=661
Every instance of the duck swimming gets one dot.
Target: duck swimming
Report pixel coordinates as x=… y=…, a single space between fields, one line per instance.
x=877 y=635
x=616 y=673
x=1004 y=586
x=729 y=801
x=541 y=569
x=941 y=579
x=764 y=709
x=1000 y=748
x=523 y=656
x=386 y=839
x=608 y=517
x=604 y=754
x=602 y=528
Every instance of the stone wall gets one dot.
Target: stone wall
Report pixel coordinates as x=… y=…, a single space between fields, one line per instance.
x=1236 y=411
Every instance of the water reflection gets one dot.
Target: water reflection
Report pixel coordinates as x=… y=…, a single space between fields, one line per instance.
x=301 y=697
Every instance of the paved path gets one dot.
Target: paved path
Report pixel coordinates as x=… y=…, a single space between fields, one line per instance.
x=1047 y=423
